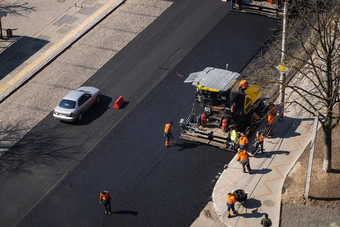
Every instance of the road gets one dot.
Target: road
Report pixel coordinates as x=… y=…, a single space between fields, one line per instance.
x=122 y=150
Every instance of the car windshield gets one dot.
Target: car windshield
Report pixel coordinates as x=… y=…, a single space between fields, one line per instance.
x=67 y=104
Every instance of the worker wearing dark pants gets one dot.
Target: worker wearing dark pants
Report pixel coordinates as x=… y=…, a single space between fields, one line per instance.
x=243 y=141
x=231 y=204
x=259 y=141
x=243 y=157
x=105 y=199
x=266 y=222
x=168 y=134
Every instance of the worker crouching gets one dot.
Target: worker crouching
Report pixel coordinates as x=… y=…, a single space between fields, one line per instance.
x=243 y=157
x=231 y=203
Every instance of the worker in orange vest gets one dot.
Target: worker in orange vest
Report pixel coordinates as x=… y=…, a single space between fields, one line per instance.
x=270 y=124
x=105 y=199
x=272 y=109
x=168 y=134
x=243 y=141
x=256 y=121
x=243 y=157
x=231 y=200
x=243 y=85
x=259 y=141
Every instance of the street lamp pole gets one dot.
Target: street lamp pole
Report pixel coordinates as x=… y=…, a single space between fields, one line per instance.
x=282 y=73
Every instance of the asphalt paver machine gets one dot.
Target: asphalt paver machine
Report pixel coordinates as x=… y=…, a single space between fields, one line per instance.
x=221 y=107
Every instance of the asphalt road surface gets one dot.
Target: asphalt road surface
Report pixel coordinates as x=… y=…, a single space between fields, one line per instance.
x=53 y=176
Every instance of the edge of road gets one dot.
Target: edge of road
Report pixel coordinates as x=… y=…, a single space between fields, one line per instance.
x=42 y=58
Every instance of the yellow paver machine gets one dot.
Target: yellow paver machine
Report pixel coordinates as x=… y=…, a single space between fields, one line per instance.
x=222 y=106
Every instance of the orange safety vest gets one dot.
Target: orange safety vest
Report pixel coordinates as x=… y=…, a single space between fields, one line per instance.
x=243 y=84
x=105 y=196
x=259 y=137
x=270 y=119
x=231 y=198
x=242 y=155
x=243 y=140
x=272 y=109
x=167 y=128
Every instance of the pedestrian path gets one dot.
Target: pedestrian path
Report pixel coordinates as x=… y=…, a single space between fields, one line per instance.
x=28 y=54
x=269 y=170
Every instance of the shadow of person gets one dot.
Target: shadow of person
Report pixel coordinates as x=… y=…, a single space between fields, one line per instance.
x=185 y=145
x=269 y=154
x=134 y=213
x=260 y=171
x=251 y=203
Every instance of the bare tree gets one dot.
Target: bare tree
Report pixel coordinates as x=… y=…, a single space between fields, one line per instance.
x=313 y=51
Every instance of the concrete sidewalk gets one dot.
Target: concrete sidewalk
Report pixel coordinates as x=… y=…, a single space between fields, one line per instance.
x=269 y=170
x=39 y=43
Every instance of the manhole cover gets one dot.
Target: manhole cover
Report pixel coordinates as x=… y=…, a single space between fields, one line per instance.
x=269 y=203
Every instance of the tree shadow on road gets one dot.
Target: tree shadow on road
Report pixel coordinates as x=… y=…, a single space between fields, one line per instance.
x=37 y=149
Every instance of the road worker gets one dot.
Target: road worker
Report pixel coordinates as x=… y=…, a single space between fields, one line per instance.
x=168 y=134
x=256 y=121
x=243 y=141
x=259 y=141
x=243 y=85
x=272 y=109
x=270 y=124
x=233 y=138
x=231 y=203
x=105 y=199
x=243 y=157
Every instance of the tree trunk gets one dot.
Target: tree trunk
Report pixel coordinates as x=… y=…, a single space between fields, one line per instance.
x=327 y=161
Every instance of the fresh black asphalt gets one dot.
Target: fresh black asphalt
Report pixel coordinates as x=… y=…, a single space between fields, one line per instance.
x=53 y=176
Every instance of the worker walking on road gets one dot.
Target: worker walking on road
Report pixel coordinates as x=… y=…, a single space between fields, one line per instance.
x=243 y=141
x=243 y=157
x=168 y=135
x=266 y=222
x=231 y=203
x=259 y=141
x=105 y=199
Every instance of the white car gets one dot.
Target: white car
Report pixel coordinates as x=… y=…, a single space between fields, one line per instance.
x=76 y=103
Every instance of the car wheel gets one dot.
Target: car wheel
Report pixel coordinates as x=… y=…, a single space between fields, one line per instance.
x=80 y=116
x=98 y=99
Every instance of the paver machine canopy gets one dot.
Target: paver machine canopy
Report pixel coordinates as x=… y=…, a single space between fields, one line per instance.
x=214 y=87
